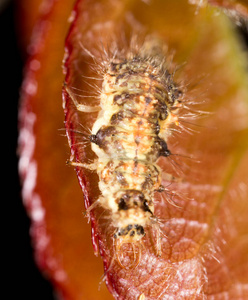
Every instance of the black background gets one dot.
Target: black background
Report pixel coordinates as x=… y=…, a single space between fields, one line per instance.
x=22 y=279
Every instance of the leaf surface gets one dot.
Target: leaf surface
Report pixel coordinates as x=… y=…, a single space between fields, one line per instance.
x=205 y=245
x=200 y=229
x=60 y=233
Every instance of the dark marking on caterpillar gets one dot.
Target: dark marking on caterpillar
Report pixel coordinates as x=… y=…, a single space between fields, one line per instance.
x=138 y=103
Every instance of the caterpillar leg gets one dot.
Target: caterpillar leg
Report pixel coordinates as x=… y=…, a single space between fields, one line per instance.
x=91 y=167
x=155 y=224
x=91 y=207
x=79 y=106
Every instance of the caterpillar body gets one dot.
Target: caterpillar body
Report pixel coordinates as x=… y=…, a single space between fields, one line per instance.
x=138 y=102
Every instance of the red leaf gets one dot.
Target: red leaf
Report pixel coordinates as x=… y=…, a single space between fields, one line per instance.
x=204 y=253
x=60 y=233
x=200 y=227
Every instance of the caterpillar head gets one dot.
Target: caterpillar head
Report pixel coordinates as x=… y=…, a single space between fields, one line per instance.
x=134 y=211
x=130 y=233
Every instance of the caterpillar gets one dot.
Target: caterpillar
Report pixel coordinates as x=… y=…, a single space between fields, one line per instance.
x=139 y=101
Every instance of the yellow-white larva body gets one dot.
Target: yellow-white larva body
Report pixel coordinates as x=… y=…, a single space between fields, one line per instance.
x=138 y=102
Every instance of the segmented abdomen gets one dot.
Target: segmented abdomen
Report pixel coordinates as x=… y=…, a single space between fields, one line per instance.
x=136 y=103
